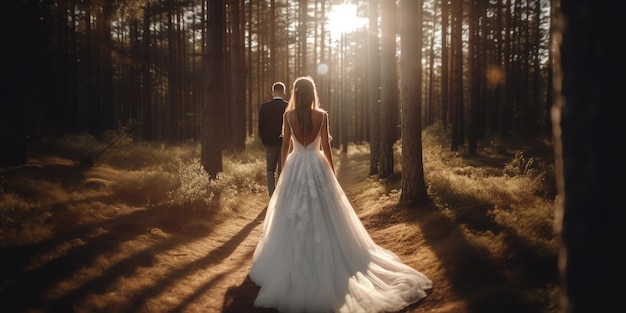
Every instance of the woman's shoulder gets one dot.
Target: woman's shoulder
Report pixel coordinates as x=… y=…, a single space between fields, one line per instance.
x=320 y=111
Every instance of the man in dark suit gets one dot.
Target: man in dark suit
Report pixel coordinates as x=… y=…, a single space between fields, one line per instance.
x=270 y=130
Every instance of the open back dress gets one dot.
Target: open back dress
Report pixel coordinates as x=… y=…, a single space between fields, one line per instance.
x=315 y=255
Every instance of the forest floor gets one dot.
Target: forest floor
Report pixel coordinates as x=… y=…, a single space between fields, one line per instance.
x=120 y=257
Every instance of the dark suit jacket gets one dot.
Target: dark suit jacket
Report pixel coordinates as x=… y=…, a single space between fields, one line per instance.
x=271 y=122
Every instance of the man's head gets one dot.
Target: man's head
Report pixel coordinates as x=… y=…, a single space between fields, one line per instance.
x=278 y=89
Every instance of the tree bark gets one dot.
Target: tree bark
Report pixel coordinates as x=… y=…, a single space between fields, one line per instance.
x=413 y=184
x=586 y=129
x=389 y=91
x=373 y=83
x=237 y=90
x=211 y=150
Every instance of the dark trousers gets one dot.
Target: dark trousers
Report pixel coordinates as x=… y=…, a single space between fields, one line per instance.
x=272 y=157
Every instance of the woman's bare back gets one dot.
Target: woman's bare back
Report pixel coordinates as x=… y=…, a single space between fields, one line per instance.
x=317 y=117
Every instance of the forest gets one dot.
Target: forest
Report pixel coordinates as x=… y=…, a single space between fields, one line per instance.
x=497 y=75
x=197 y=70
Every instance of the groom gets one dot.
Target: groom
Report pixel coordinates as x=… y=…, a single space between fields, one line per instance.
x=270 y=130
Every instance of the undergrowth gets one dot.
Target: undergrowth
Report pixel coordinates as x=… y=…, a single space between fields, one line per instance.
x=141 y=174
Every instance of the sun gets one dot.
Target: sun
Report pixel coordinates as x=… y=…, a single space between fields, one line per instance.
x=342 y=18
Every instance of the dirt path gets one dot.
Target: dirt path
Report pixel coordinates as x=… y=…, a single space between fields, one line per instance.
x=233 y=260
x=119 y=258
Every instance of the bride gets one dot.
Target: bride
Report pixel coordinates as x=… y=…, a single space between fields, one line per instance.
x=315 y=255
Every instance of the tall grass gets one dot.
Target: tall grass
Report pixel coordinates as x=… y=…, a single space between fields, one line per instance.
x=504 y=206
x=55 y=188
x=490 y=222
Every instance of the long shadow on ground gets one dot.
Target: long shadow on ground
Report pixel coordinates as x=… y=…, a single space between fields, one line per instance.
x=24 y=286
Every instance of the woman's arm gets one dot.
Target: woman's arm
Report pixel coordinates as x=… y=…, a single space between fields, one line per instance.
x=284 y=148
x=326 y=142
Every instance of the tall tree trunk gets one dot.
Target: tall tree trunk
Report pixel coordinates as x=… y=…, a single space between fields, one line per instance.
x=474 y=77
x=430 y=103
x=302 y=39
x=105 y=77
x=550 y=88
x=373 y=83
x=496 y=79
x=445 y=63
x=343 y=101
x=413 y=184
x=237 y=99
x=389 y=91
x=146 y=77
x=322 y=82
x=250 y=103
x=92 y=107
x=456 y=103
x=505 y=96
x=272 y=43
x=211 y=150
x=586 y=130
x=172 y=114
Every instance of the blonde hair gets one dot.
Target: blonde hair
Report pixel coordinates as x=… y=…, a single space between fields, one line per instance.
x=303 y=100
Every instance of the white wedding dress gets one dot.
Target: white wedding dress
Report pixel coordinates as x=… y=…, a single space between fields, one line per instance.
x=315 y=255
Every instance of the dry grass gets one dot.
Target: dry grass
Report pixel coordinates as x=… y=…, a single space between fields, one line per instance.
x=144 y=230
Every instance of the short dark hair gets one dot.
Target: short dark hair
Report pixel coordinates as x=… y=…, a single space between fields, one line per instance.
x=278 y=86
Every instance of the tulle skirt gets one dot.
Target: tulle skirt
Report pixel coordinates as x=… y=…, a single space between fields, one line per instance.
x=315 y=255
